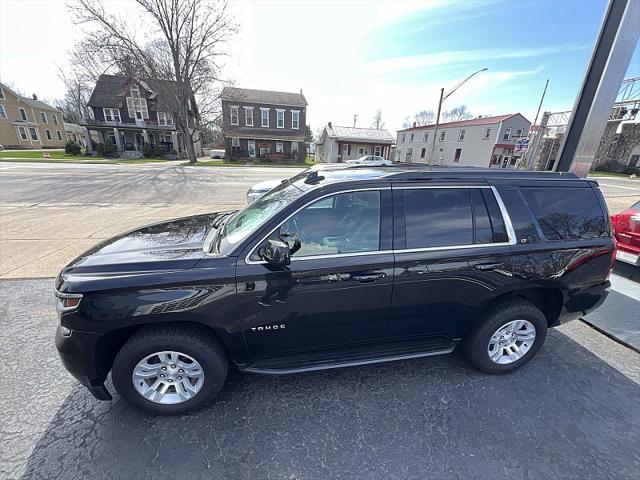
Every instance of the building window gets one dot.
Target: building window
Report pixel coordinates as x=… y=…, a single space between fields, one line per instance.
x=519 y=132
x=264 y=117
x=23 y=133
x=164 y=118
x=346 y=150
x=235 y=142
x=377 y=150
x=252 y=148
x=55 y=119
x=137 y=107
x=3 y=112
x=456 y=157
x=234 y=116
x=111 y=114
x=461 y=135
x=59 y=135
x=361 y=152
x=279 y=147
x=48 y=133
x=423 y=153
x=487 y=132
x=279 y=118
x=403 y=138
x=409 y=155
x=295 y=119
x=411 y=138
x=135 y=90
x=248 y=116
x=43 y=117
x=2 y=97
x=23 y=114
x=294 y=147
x=34 y=133
x=426 y=136
x=442 y=135
x=507 y=134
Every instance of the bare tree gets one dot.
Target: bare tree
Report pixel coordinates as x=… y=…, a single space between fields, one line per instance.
x=183 y=49
x=456 y=114
x=378 y=122
x=76 y=97
x=425 y=117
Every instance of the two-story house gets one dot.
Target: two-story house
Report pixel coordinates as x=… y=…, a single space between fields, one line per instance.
x=480 y=142
x=29 y=123
x=263 y=124
x=130 y=113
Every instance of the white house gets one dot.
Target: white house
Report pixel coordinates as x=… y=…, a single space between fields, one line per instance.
x=339 y=144
x=480 y=142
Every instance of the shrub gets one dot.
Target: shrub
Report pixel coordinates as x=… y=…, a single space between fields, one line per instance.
x=72 y=148
x=147 y=151
x=603 y=167
x=631 y=170
x=107 y=149
x=157 y=151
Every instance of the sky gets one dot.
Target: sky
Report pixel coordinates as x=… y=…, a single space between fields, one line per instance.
x=355 y=57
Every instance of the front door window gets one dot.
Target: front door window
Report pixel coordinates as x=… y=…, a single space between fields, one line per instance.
x=252 y=148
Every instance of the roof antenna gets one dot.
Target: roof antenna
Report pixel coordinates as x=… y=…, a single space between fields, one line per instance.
x=313 y=178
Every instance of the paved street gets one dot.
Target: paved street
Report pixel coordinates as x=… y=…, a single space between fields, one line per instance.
x=572 y=413
x=50 y=213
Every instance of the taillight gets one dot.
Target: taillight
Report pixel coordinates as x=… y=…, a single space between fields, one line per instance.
x=67 y=302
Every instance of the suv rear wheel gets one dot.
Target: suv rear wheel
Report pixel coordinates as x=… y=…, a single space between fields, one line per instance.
x=165 y=370
x=507 y=337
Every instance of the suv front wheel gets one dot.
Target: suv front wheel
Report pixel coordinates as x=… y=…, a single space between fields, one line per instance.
x=165 y=370
x=508 y=336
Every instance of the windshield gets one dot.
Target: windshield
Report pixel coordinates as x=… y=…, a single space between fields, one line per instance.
x=245 y=222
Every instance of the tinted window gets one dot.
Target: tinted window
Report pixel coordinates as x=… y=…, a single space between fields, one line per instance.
x=520 y=214
x=495 y=216
x=342 y=223
x=437 y=217
x=566 y=213
x=482 y=224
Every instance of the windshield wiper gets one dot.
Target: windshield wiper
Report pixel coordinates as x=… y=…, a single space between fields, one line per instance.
x=216 y=228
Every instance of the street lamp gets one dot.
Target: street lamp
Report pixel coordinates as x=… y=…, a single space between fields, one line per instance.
x=443 y=97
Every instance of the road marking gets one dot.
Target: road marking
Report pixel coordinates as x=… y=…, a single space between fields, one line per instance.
x=619 y=186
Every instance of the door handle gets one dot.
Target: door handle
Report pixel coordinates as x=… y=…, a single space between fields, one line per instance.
x=485 y=267
x=368 y=278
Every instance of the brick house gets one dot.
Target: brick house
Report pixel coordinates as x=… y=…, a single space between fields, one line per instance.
x=263 y=124
x=339 y=144
x=29 y=123
x=130 y=113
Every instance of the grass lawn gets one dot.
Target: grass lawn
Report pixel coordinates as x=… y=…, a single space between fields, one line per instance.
x=610 y=174
x=58 y=156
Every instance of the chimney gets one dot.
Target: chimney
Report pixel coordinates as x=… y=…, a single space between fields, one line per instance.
x=35 y=97
x=414 y=124
x=300 y=91
x=329 y=124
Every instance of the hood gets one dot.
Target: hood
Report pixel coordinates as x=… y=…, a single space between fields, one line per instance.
x=265 y=186
x=172 y=245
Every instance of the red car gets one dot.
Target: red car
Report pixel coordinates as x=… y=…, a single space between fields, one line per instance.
x=626 y=227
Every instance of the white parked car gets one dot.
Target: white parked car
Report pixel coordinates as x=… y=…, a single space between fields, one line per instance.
x=374 y=160
x=217 y=153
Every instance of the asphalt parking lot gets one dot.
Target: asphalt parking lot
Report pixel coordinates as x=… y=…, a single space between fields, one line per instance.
x=572 y=413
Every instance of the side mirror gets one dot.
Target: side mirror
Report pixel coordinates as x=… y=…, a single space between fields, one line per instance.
x=276 y=252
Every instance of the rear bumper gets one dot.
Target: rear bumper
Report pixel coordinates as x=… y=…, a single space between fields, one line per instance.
x=78 y=354
x=583 y=301
x=627 y=256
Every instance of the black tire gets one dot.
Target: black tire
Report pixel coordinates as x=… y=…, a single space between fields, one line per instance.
x=199 y=343
x=475 y=344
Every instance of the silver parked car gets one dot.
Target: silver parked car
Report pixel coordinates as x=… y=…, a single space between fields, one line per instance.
x=373 y=160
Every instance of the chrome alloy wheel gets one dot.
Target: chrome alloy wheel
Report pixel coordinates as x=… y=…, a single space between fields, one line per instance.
x=511 y=342
x=168 y=377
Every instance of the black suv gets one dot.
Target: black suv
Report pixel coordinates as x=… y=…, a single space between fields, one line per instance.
x=337 y=267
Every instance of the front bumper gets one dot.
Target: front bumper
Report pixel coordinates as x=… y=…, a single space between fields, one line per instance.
x=78 y=354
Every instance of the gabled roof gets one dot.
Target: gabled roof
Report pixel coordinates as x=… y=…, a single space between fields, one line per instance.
x=467 y=123
x=110 y=90
x=39 y=104
x=266 y=97
x=360 y=134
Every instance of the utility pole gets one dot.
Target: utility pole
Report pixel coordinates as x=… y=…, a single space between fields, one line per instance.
x=443 y=97
x=355 y=117
x=526 y=158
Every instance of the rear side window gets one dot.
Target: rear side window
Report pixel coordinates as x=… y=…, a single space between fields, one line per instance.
x=566 y=213
x=438 y=217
